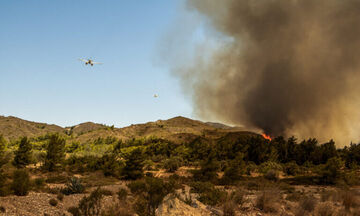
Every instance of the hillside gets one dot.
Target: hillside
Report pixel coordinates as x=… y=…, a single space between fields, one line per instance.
x=12 y=128
x=177 y=129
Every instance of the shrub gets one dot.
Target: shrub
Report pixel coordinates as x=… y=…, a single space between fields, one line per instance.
x=269 y=165
x=106 y=192
x=122 y=194
x=172 y=164
x=234 y=170
x=291 y=168
x=88 y=205
x=271 y=175
x=308 y=203
x=150 y=193
x=39 y=182
x=118 y=209
x=53 y=202
x=238 y=196
x=21 y=182
x=331 y=171
x=60 y=196
x=266 y=201
x=208 y=194
x=73 y=186
x=208 y=169
x=348 y=200
x=74 y=211
x=229 y=208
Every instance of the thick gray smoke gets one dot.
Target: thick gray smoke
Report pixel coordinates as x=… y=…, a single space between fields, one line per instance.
x=288 y=67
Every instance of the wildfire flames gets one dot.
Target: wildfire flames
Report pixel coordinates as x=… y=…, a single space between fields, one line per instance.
x=266 y=137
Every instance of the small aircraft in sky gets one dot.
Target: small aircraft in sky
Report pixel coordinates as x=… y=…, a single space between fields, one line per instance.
x=156 y=95
x=89 y=62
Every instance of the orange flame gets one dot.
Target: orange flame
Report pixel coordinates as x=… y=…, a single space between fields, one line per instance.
x=266 y=137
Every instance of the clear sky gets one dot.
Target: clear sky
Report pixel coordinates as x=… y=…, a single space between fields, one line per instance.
x=42 y=80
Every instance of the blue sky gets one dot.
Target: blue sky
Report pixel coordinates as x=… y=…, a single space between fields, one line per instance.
x=42 y=80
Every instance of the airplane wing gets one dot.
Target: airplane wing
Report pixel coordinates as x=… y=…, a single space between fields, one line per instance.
x=97 y=63
x=83 y=60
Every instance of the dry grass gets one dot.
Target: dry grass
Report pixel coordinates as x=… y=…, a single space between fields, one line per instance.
x=118 y=209
x=325 y=209
x=267 y=200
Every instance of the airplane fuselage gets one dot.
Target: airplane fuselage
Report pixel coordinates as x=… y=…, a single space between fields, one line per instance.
x=89 y=62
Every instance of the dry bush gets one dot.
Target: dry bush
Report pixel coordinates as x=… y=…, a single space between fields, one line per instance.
x=294 y=197
x=60 y=196
x=229 y=208
x=53 y=202
x=238 y=196
x=325 y=209
x=308 y=203
x=326 y=195
x=267 y=200
x=348 y=200
x=300 y=212
x=118 y=209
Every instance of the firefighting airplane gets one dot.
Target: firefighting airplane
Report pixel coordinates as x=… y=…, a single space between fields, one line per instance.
x=89 y=62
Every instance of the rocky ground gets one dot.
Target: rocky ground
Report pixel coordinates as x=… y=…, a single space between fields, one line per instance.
x=327 y=201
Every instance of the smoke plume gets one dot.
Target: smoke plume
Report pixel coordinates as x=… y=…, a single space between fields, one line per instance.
x=288 y=67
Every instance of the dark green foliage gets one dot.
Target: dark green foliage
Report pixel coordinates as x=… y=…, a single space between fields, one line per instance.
x=55 y=152
x=172 y=164
x=73 y=186
x=291 y=168
x=53 y=202
x=208 y=169
x=110 y=165
x=208 y=194
x=23 y=154
x=234 y=171
x=134 y=165
x=73 y=147
x=331 y=171
x=21 y=182
x=352 y=155
x=150 y=193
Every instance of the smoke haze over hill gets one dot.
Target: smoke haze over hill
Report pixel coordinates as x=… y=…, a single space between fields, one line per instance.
x=288 y=67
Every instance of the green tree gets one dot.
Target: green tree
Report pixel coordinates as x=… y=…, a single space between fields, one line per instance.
x=55 y=152
x=23 y=154
x=134 y=164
